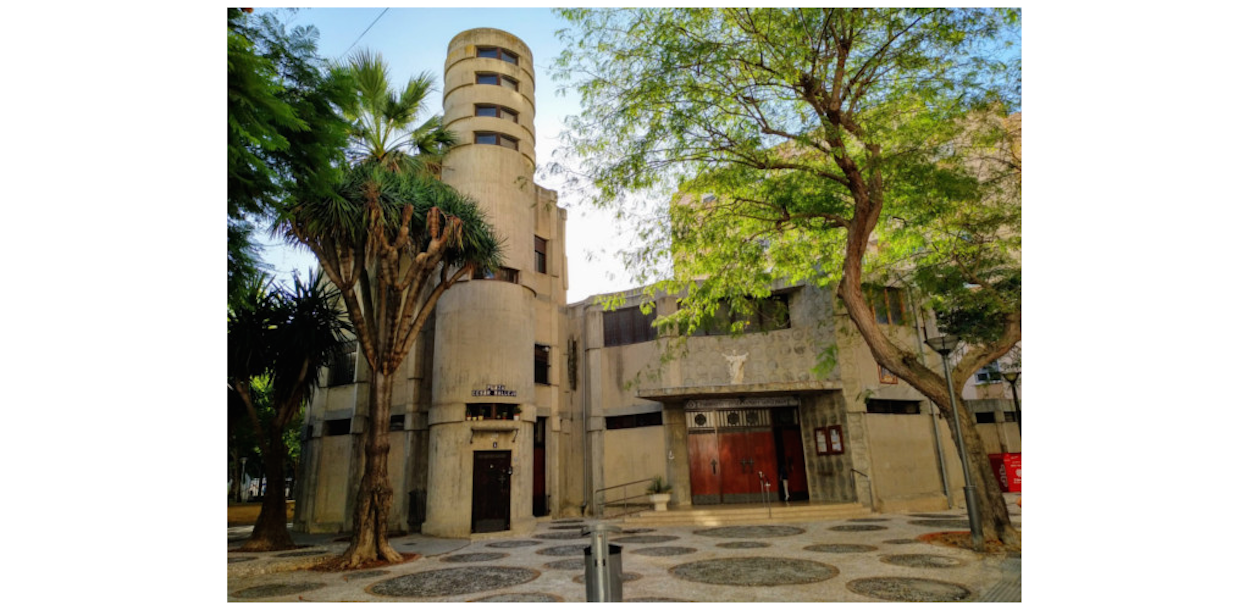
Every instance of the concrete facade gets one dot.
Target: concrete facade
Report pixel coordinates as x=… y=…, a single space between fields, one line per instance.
x=517 y=406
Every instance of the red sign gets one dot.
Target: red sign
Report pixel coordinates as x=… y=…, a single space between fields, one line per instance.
x=1007 y=467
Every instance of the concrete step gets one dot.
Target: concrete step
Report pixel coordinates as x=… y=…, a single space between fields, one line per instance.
x=747 y=514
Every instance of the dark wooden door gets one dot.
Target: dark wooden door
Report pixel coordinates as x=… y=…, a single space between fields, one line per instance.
x=705 y=467
x=540 y=468
x=744 y=456
x=492 y=491
x=791 y=464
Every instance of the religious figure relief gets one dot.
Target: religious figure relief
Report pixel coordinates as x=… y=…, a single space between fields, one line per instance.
x=737 y=365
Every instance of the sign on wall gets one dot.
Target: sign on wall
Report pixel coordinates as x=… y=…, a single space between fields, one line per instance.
x=829 y=440
x=495 y=390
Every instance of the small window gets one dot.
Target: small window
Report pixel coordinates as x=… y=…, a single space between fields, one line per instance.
x=487 y=411
x=540 y=254
x=397 y=423
x=487 y=79
x=639 y=420
x=497 y=53
x=893 y=407
x=502 y=274
x=491 y=78
x=887 y=303
x=1009 y=416
x=627 y=325
x=542 y=361
x=338 y=427
x=985 y=417
x=498 y=139
x=501 y=112
x=343 y=365
x=990 y=374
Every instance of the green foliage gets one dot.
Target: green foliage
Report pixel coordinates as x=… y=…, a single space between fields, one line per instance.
x=786 y=131
x=657 y=486
x=283 y=127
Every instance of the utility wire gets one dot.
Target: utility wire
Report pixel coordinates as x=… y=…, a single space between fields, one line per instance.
x=362 y=34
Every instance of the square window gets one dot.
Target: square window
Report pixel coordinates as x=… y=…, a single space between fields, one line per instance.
x=487 y=79
x=985 y=417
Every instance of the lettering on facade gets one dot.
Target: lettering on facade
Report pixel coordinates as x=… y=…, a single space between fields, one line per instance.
x=739 y=403
x=495 y=390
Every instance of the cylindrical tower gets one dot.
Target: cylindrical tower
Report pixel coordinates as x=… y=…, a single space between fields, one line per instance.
x=483 y=395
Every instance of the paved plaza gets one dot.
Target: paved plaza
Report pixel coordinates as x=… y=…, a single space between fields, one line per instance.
x=878 y=558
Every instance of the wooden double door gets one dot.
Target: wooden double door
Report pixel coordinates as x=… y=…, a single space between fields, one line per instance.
x=729 y=466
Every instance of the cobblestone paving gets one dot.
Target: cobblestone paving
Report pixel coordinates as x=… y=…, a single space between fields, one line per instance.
x=902 y=541
x=512 y=544
x=567 y=564
x=752 y=531
x=572 y=549
x=625 y=577
x=897 y=589
x=453 y=581
x=644 y=539
x=754 y=571
x=840 y=548
x=942 y=523
x=857 y=528
x=559 y=536
x=239 y=559
x=300 y=554
x=534 y=598
x=745 y=544
x=922 y=561
x=364 y=574
x=664 y=551
x=277 y=590
x=474 y=557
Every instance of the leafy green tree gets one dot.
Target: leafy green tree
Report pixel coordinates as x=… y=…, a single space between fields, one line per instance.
x=848 y=148
x=278 y=340
x=393 y=239
x=282 y=127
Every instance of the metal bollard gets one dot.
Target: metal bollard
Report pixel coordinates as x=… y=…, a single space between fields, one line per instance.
x=603 y=565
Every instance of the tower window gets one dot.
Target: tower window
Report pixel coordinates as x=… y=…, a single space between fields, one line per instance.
x=502 y=274
x=487 y=137
x=497 y=53
x=502 y=112
x=492 y=78
x=540 y=254
x=542 y=358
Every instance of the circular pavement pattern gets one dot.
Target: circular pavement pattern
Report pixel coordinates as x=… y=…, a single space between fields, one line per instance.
x=239 y=559
x=922 y=561
x=559 y=536
x=752 y=531
x=943 y=523
x=560 y=551
x=625 y=577
x=522 y=597
x=566 y=564
x=277 y=590
x=754 y=571
x=567 y=527
x=868 y=520
x=898 y=589
x=364 y=574
x=638 y=530
x=935 y=516
x=569 y=521
x=654 y=599
x=512 y=544
x=857 y=528
x=745 y=544
x=301 y=554
x=901 y=541
x=474 y=557
x=663 y=551
x=453 y=581
x=840 y=548
x=644 y=539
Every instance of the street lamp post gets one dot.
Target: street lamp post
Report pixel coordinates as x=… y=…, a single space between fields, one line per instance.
x=1012 y=377
x=944 y=345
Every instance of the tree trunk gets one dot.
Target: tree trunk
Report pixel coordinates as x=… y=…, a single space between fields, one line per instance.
x=270 y=533
x=995 y=521
x=373 y=499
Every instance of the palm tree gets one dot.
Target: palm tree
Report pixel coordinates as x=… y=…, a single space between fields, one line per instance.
x=278 y=340
x=393 y=239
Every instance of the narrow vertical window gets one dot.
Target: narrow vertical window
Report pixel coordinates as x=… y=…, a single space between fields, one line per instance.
x=540 y=254
x=542 y=357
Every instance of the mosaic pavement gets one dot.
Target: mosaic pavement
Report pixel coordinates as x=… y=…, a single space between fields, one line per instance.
x=853 y=560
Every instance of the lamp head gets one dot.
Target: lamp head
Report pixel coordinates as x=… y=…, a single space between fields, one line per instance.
x=944 y=344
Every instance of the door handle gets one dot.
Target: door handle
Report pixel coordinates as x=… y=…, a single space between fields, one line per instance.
x=713 y=466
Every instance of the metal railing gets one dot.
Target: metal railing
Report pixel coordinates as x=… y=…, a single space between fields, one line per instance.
x=625 y=503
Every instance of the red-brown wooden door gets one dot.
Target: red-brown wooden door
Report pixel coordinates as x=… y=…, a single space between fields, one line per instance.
x=744 y=455
x=792 y=464
x=705 y=468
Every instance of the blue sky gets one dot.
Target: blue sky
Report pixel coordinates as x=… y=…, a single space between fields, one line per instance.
x=414 y=40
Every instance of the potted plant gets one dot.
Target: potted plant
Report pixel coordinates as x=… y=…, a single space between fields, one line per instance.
x=659 y=495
